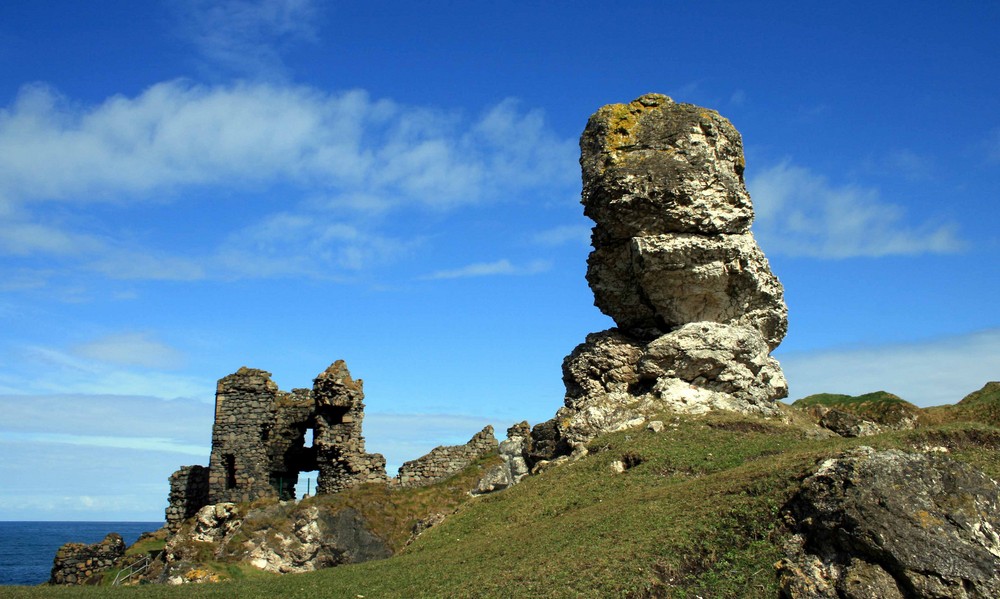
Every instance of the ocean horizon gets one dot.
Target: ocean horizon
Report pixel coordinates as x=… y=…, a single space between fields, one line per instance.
x=28 y=547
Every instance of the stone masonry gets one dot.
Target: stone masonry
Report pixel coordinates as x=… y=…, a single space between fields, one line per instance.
x=259 y=444
x=188 y=493
x=79 y=563
x=340 y=448
x=444 y=461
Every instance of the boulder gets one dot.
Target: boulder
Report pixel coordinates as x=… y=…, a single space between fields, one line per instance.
x=653 y=166
x=614 y=381
x=893 y=524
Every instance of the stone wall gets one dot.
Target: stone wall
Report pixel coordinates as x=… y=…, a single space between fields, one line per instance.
x=78 y=563
x=340 y=448
x=259 y=441
x=444 y=461
x=188 y=494
x=245 y=405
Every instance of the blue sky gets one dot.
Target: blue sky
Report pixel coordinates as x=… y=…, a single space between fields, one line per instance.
x=188 y=187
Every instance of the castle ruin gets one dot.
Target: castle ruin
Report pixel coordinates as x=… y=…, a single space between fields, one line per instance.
x=259 y=444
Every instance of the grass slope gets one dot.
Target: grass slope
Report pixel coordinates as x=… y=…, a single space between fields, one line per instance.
x=698 y=514
x=880 y=406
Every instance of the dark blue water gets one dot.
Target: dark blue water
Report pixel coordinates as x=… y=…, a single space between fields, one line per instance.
x=27 y=548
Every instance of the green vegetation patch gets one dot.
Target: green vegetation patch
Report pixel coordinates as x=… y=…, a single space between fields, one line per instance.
x=880 y=406
x=696 y=512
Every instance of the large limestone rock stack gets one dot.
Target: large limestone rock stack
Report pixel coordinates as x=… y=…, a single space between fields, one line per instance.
x=675 y=265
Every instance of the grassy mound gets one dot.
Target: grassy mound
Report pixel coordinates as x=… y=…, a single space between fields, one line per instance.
x=696 y=512
x=881 y=407
x=979 y=406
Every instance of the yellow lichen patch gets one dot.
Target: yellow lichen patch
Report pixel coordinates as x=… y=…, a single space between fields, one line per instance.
x=926 y=520
x=622 y=119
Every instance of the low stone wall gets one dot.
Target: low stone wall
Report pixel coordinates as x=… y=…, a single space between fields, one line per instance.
x=188 y=494
x=79 y=563
x=444 y=461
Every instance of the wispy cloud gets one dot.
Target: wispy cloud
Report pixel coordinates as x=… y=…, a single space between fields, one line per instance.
x=109 y=442
x=563 y=235
x=487 y=269
x=47 y=370
x=927 y=373
x=339 y=159
x=800 y=213
x=248 y=37
x=131 y=349
x=910 y=165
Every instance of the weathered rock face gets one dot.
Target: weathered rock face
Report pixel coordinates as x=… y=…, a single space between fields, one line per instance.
x=514 y=467
x=276 y=538
x=614 y=381
x=675 y=265
x=79 y=563
x=857 y=535
x=664 y=183
x=653 y=167
x=318 y=539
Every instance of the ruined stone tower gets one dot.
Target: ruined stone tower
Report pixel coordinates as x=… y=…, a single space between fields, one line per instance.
x=259 y=442
x=340 y=448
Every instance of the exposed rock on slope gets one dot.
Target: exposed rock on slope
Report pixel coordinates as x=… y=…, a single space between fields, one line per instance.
x=893 y=524
x=675 y=265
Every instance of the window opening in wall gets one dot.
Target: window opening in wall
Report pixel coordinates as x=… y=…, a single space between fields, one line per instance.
x=230 y=464
x=308 y=438
x=306 y=484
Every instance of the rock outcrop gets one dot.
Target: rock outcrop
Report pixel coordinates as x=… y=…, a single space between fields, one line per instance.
x=277 y=538
x=514 y=465
x=893 y=525
x=675 y=265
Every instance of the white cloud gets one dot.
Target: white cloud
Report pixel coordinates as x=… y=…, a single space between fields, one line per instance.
x=109 y=442
x=131 y=349
x=485 y=269
x=44 y=370
x=338 y=158
x=21 y=238
x=800 y=213
x=926 y=373
x=562 y=235
x=248 y=36
x=909 y=164
x=131 y=263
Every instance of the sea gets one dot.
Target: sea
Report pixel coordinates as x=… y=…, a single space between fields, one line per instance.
x=27 y=548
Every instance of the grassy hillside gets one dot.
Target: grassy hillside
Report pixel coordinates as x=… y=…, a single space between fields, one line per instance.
x=698 y=513
x=881 y=407
x=979 y=406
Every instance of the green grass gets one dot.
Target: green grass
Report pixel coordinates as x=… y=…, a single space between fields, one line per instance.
x=880 y=406
x=698 y=514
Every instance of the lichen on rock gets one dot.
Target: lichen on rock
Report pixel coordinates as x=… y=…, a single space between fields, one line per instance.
x=675 y=265
x=858 y=534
